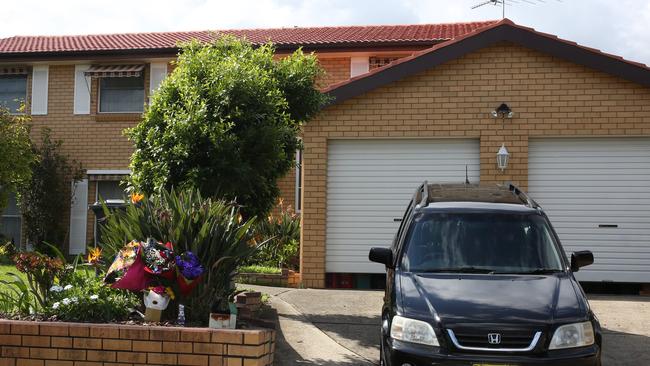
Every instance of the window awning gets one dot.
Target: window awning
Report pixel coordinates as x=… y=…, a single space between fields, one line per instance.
x=114 y=71
x=14 y=70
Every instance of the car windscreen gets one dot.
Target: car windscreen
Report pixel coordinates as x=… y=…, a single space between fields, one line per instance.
x=480 y=243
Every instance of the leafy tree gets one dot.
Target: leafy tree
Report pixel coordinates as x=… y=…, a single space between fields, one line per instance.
x=47 y=194
x=16 y=156
x=226 y=122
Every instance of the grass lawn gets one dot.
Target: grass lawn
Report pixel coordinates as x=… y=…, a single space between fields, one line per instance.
x=4 y=268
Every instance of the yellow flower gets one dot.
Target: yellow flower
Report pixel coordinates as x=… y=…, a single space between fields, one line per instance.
x=170 y=292
x=94 y=255
x=136 y=197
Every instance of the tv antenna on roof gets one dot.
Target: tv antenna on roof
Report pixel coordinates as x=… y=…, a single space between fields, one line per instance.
x=503 y=4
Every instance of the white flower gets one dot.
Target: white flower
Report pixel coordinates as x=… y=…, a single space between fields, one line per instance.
x=66 y=301
x=56 y=288
x=74 y=299
x=55 y=305
x=94 y=297
x=67 y=287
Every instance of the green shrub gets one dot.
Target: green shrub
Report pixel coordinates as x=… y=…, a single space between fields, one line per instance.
x=283 y=235
x=85 y=298
x=47 y=194
x=212 y=229
x=226 y=121
x=16 y=155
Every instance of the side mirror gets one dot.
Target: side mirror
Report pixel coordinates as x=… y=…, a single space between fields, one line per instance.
x=581 y=259
x=381 y=255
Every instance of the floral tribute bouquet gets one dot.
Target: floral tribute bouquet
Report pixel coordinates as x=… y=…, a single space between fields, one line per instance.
x=189 y=272
x=154 y=268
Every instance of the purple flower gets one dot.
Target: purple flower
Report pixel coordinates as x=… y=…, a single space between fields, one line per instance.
x=189 y=266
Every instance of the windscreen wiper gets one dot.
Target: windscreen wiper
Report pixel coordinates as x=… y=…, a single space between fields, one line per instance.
x=467 y=269
x=534 y=271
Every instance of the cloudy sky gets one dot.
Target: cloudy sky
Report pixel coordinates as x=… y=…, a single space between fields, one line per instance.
x=621 y=27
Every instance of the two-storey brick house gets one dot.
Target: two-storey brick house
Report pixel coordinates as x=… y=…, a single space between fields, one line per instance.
x=88 y=89
x=578 y=136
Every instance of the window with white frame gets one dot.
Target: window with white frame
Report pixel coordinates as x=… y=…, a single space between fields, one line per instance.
x=298 y=180
x=13 y=92
x=11 y=221
x=121 y=94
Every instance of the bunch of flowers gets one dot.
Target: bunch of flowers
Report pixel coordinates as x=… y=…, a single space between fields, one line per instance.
x=189 y=270
x=189 y=266
x=158 y=259
x=154 y=268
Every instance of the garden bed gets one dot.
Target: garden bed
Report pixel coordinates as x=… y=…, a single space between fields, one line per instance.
x=32 y=342
x=286 y=278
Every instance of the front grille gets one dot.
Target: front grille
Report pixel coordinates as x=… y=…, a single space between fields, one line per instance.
x=478 y=338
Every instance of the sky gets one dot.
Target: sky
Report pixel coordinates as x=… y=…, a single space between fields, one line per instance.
x=621 y=27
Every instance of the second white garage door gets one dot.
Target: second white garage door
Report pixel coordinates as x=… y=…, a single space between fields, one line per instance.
x=597 y=194
x=370 y=183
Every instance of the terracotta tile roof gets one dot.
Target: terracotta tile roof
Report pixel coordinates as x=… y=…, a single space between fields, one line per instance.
x=312 y=36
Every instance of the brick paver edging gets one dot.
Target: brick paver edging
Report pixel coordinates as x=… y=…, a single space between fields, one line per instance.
x=26 y=343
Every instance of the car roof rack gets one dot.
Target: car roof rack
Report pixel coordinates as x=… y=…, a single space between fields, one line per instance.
x=523 y=196
x=448 y=192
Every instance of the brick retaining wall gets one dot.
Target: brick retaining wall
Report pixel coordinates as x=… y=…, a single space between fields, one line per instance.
x=25 y=343
x=287 y=278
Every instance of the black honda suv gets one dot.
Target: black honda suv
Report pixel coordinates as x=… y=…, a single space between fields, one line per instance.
x=476 y=276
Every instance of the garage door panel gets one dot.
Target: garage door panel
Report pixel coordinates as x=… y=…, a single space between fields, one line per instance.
x=370 y=183
x=582 y=183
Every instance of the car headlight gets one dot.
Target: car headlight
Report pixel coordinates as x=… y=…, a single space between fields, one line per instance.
x=414 y=331
x=573 y=335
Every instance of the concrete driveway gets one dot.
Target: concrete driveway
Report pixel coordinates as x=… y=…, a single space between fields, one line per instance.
x=341 y=327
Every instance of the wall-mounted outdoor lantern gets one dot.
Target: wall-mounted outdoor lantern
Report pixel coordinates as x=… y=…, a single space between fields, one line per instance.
x=503 y=111
x=502 y=157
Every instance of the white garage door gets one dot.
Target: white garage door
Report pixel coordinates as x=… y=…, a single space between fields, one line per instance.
x=370 y=183
x=597 y=194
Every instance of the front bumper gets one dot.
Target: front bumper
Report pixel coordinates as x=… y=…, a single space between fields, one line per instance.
x=400 y=353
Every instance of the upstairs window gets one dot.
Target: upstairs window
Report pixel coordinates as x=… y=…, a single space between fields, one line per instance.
x=121 y=95
x=121 y=87
x=375 y=62
x=13 y=91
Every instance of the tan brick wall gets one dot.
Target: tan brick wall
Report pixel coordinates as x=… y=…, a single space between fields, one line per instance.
x=336 y=70
x=71 y=344
x=287 y=186
x=550 y=97
x=97 y=140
